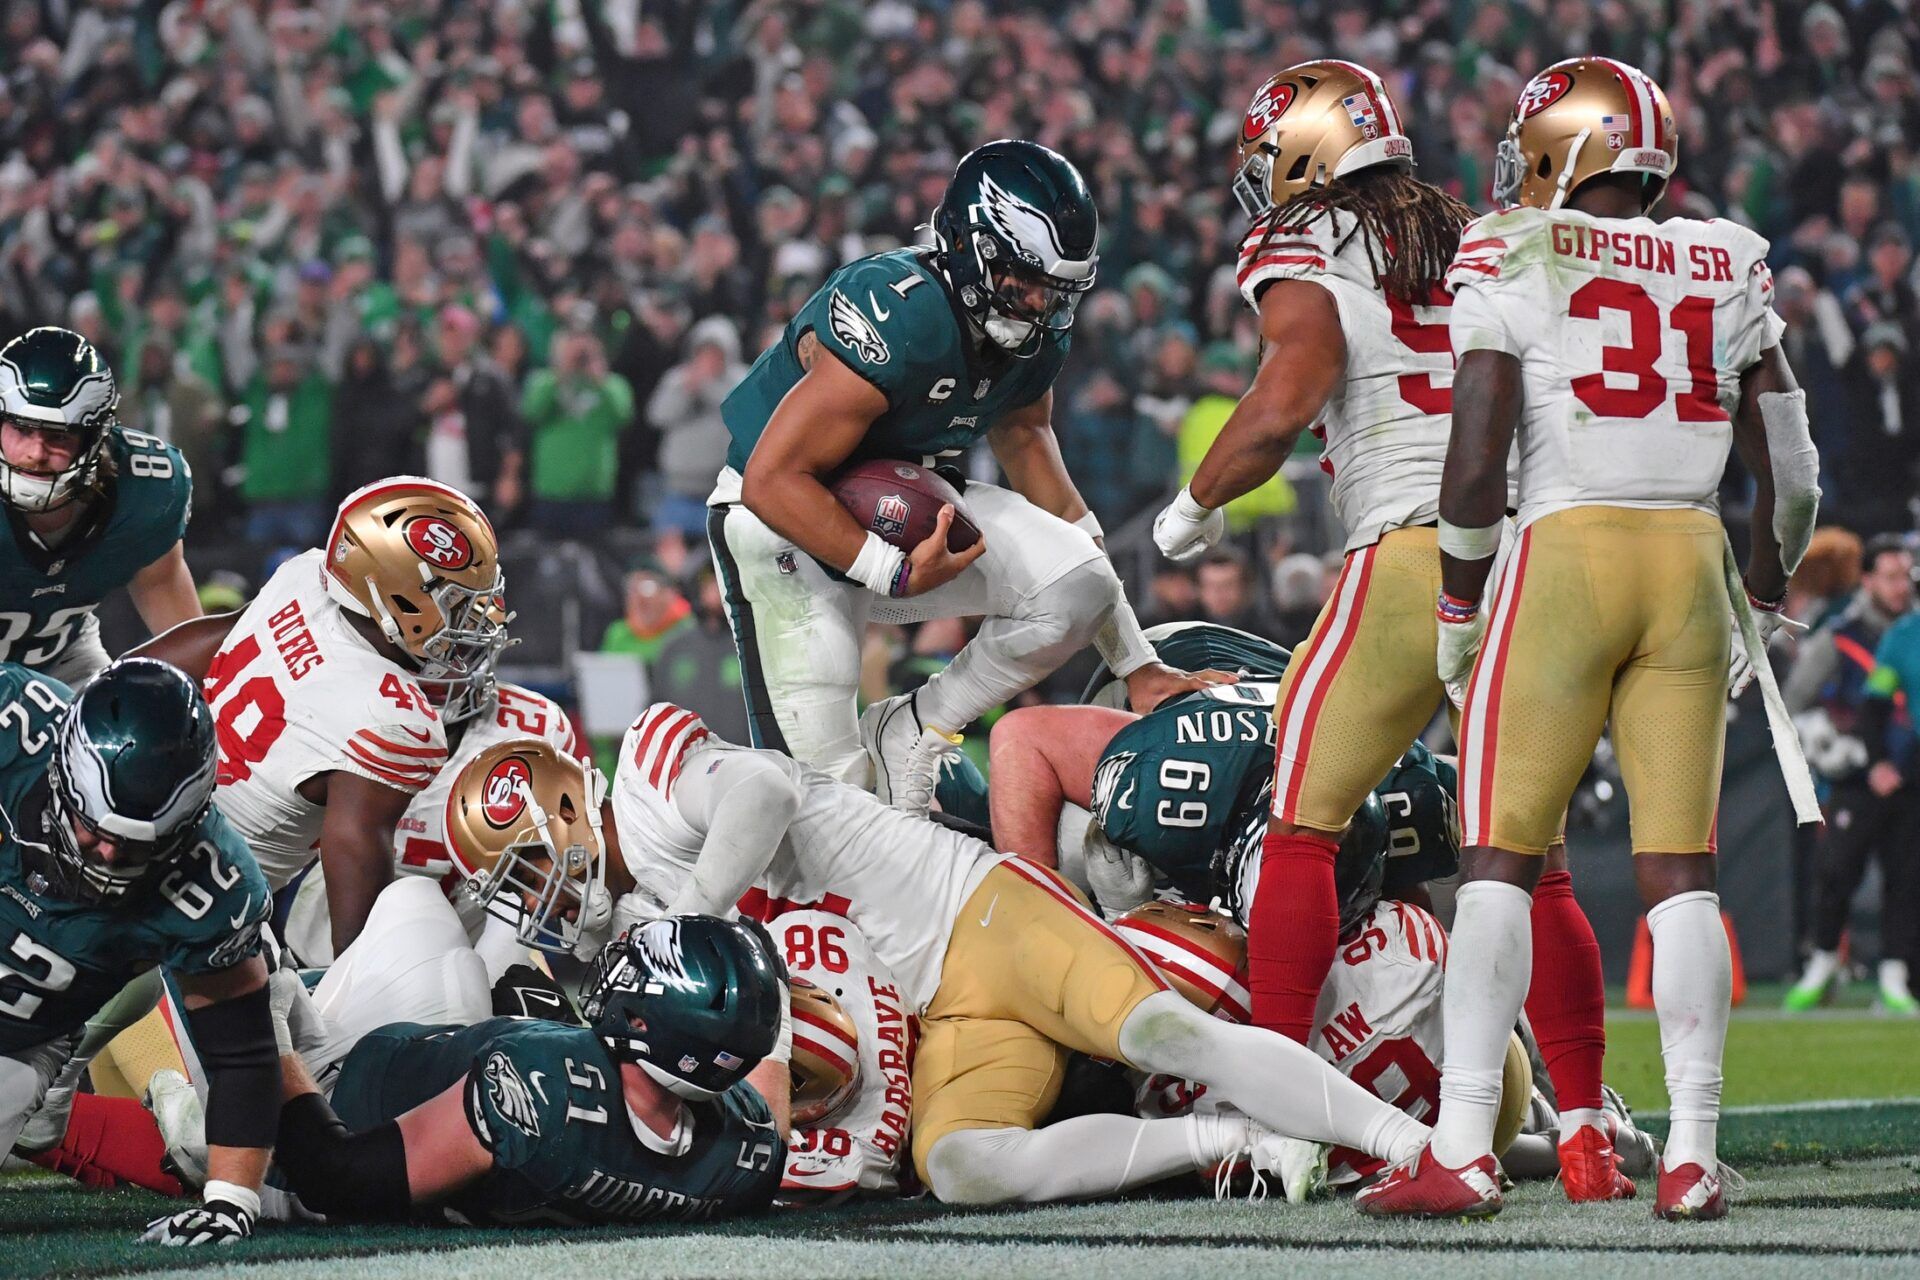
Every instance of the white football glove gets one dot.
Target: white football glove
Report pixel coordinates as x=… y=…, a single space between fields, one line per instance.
x=1185 y=530
x=1458 y=646
x=1769 y=624
x=1120 y=880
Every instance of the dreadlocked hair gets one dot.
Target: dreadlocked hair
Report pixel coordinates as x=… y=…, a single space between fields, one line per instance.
x=1412 y=227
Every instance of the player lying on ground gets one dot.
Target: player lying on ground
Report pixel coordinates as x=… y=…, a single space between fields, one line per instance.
x=1378 y=1020
x=669 y=1106
x=917 y=354
x=1036 y=746
x=114 y=861
x=533 y=853
x=1626 y=357
x=1005 y=966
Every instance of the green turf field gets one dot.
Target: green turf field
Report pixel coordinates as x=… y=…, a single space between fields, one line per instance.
x=1833 y=1189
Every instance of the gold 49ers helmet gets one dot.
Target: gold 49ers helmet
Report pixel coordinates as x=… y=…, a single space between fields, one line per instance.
x=1313 y=123
x=1579 y=119
x=523 y=827
x=420 y=559
x=1202 y=953
x=826 y=1053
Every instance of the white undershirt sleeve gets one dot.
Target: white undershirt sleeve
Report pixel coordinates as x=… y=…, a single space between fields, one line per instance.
x=744 y=805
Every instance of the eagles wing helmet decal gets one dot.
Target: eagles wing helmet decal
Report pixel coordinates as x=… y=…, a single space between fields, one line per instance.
x=666 y=965
x=852 y=327
x=1023 y=226
x=510 y=1096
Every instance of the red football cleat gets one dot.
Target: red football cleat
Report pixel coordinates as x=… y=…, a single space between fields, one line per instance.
x=1690 y=1193
x=1589 y=1170
x=1424 y=1188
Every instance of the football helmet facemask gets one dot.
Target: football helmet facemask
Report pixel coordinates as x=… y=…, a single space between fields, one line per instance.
x=54 y=380
x=1580 y=119
x=420 y=559
x=1311 y=124
x=524 y=828
x=1018 y=237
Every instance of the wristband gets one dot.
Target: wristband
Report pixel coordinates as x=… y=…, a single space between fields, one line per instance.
x=1453 y=609
x=233 y=1193
x=898 y=587
x=1186 y=506
x=1470 y=544
x=1089 y=524
x=878 y=566
x=1765 y=606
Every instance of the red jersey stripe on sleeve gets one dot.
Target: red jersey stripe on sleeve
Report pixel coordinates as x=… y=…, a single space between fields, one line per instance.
x=403 y=779
x=378 y=745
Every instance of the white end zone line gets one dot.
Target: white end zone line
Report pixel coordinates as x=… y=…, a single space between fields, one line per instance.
x=1823 y=1104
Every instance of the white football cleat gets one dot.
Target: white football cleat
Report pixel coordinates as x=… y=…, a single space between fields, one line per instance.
x=906 y=755
x=1300 y=1165
x=182 y=1121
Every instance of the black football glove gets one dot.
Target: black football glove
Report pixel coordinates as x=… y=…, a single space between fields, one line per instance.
x=215 y=1222
x=523 y=991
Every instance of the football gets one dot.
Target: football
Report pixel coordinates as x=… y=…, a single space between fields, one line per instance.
x=900 y=501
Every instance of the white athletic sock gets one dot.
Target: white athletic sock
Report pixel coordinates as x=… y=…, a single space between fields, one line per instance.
x=1095 y=1155
x=1693 y=997
x=1893 y=977
x=1489 y=967
x=1573 y=1117
x=1283 y=1085
x=1821 y=966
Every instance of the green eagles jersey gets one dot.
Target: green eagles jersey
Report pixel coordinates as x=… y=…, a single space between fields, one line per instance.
x=1423 y=820
x=1184 y=786
x=888 y=318
x=1198 y=646
x=1174 y=785
x=63 y=959
x=45 y=596
x=545 y=1099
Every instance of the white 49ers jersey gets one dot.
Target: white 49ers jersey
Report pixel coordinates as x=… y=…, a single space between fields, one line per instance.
x=858 y=1147
x=296 y=693
x=901 y=880
x=1631 y=335
x=420 y=843
x=1385 y=426
x=1378 y=1019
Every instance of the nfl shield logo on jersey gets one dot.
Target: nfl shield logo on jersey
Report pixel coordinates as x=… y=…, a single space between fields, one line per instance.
x=890 y=516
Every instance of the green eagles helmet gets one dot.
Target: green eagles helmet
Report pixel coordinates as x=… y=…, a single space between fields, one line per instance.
x=1018 y=237
x=1360 y=867
x=54 y=380
x=693 y=1000
x=133 y=766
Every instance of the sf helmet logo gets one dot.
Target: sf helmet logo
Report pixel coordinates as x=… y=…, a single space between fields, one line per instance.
x=1268 y=106
x=503 y=798
x=1542 y=92
x=439 y=543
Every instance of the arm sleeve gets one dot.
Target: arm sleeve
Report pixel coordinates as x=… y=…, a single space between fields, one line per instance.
x=745 y=804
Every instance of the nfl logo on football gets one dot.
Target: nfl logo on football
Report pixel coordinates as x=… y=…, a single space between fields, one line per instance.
x=890 y=516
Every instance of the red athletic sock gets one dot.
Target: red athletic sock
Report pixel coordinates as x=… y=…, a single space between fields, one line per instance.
x=110 y=1141
x=1567 y=1003
x=1293 y=928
